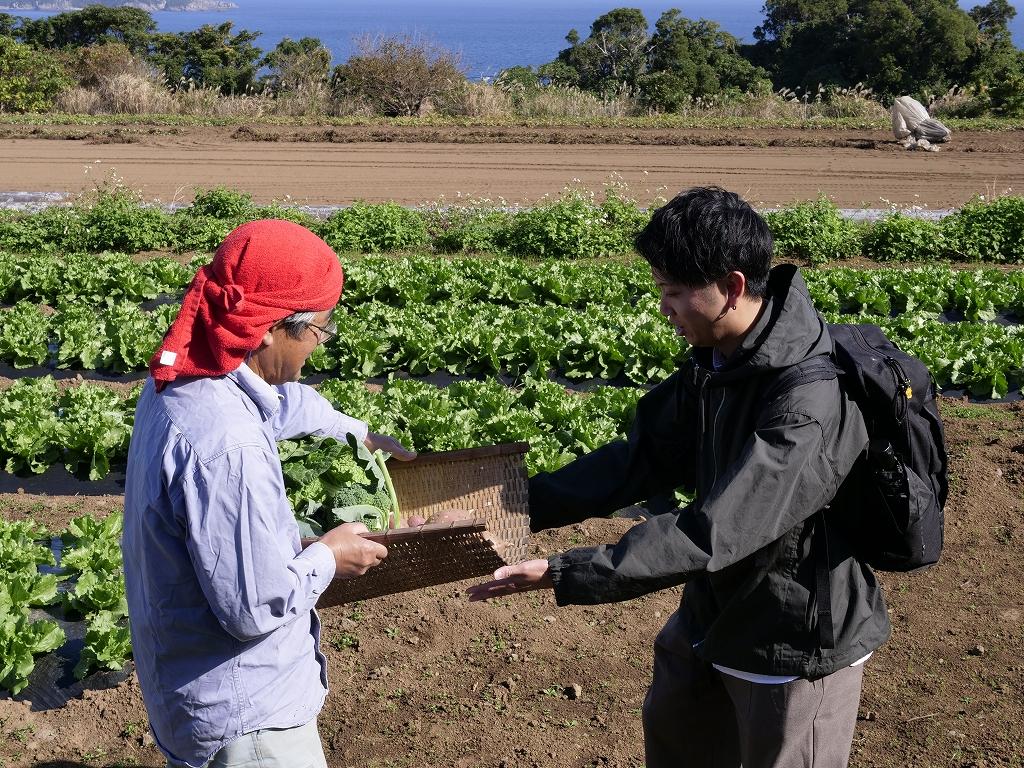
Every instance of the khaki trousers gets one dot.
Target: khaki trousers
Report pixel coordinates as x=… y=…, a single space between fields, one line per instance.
x=297 y=747
x=697 y=717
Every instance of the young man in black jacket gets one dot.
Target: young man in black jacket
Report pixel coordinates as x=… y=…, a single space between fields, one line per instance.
x=743 y=672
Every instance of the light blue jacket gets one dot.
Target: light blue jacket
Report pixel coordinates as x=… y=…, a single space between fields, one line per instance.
x=220 y=595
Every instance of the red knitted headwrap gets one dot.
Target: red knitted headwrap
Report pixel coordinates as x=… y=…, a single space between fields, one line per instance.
x=263 y=272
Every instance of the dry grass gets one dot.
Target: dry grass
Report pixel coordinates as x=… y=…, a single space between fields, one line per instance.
x=555 y=102
x=113 y=81
x=139 y=90
x=200 y=100
x=957 y=102
x=78 y=101
x=307 y=99
x=476 y=100
x=855 y=102
x=131 y=93
x=125 y=93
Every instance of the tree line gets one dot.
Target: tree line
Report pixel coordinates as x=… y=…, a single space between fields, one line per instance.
x=893 y=47
x=810 y=47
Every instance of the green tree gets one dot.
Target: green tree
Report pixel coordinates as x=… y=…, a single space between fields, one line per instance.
x=94 y=24
x=915 y=45
x=694 y=58
x=9 y=24
x=614 y=54
x=558 y=73
x=803 y=42
x=211 y=56
x=997 y=66
x=397 y=76
x=295 y=64
x=519 y=83
x=29 y=79
x=893 y=46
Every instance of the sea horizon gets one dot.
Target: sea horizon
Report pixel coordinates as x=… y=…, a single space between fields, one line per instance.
x=488 y=35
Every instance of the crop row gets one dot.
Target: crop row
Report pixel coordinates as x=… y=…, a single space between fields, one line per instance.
x=118 y=338
x=634 y=344
x=87 y=427
x=89 y=585
x=978 y=294
x=376 y=339
x=106 y=279
x=573 y=226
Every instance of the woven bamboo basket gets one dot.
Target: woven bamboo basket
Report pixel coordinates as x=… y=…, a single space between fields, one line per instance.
x=490 y=483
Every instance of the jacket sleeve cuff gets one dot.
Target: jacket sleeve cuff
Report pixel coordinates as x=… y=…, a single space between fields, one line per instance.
x=322 y=566
x=565 y=570
x=346 y=425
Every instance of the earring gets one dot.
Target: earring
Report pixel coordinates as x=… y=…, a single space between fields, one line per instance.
x=734 y=306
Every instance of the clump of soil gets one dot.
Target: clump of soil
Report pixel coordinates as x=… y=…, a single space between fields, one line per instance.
x=427 y=679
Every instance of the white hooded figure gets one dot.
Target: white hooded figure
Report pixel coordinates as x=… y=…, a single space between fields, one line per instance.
x=910 y=121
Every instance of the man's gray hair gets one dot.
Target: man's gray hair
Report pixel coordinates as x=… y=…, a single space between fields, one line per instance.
x=297 y=323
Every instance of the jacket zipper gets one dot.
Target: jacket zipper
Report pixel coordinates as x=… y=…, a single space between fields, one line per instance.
x=701 y=386
x=714 y=437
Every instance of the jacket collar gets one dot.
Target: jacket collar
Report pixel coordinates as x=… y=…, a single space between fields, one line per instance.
x=788 y=331
x=267 y=398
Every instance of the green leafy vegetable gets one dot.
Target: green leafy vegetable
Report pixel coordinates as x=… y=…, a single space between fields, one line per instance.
x=108 y=644
x=329 y=482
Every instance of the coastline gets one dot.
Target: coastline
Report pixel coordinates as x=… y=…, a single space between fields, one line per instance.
x=60 y=6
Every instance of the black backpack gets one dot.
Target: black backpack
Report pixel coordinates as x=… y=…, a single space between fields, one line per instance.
x=891 y=505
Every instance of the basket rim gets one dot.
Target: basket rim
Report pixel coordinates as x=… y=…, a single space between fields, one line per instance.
x=463 y=454
x=426 y=531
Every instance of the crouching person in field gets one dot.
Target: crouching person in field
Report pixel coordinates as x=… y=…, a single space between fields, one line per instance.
x=220 y=594
x=748 y=670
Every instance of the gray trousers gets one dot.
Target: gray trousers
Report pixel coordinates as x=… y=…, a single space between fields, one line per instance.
x=697 y=717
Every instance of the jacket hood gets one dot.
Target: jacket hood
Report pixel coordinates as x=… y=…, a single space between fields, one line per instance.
x=789 y=331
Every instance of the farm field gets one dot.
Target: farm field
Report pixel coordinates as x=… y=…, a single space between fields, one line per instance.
x=428 y=679
x=461 y=350
x=414 y=164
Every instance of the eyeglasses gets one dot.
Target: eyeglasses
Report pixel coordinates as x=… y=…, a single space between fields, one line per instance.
x=325 y=333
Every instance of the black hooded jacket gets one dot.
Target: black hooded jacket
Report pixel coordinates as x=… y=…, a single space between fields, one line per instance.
x=761 y=471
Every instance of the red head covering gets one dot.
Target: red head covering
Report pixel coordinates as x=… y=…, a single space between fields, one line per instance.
x=263 y=272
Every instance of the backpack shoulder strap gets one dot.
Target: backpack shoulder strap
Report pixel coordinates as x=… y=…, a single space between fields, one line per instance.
x=818 y=368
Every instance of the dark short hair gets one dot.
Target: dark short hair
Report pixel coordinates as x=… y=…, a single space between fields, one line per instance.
x=705 y=233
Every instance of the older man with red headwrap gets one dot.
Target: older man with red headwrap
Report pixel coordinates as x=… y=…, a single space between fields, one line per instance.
x=221 y=595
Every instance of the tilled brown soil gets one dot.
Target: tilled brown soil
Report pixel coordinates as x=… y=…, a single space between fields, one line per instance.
x=318 y=165
x=427 y=679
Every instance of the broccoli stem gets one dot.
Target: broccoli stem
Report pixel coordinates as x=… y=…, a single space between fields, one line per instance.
x=381 y=462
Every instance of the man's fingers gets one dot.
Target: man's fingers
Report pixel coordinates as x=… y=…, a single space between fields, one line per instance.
x=500 y=587
x=512 y=579
x=402 y=453
x=487 y=591
x=390 y=445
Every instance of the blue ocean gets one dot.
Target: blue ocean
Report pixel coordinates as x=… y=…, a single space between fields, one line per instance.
x=490 y=35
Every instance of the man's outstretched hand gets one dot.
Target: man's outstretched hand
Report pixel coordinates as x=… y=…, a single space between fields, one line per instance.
x=512 y=579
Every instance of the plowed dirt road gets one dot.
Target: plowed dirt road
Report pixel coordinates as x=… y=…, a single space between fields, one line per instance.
x=336 y=166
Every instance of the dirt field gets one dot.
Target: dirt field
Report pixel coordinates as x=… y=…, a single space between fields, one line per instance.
x=413 y=165
x=427 y=679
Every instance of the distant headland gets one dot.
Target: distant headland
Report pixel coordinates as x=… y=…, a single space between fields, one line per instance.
x=146 y=5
